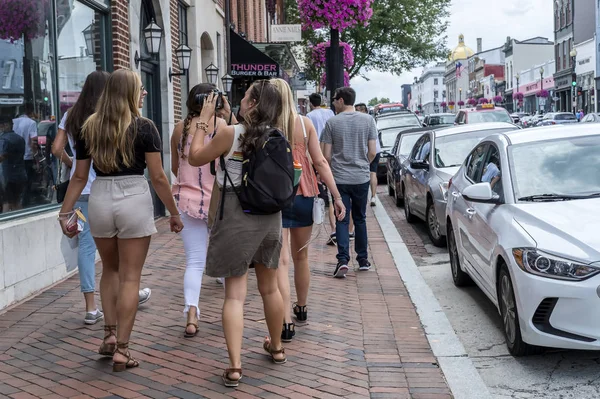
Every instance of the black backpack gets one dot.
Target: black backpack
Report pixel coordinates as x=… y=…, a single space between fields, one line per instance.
x=267 y=177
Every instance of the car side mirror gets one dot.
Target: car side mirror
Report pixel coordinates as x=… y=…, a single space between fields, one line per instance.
x=481 y=192
x=419 y=165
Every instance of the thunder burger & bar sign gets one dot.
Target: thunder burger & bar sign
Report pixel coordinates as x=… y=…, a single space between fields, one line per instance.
x=248 y=61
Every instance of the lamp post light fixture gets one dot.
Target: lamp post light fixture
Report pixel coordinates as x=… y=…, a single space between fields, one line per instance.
x=183 y=54
x=152 y=36
x=227 y=82
x=88 y=35
x=212 y=72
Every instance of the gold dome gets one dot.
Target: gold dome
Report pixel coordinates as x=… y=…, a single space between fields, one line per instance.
x=460 y=52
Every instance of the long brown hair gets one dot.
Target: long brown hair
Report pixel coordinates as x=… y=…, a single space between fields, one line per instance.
x=86 y=103
x=263 y=115
x=194 y=110
x=110 y=132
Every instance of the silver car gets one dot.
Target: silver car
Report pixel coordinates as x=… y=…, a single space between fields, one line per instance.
x=436 y=156
x=522 y=223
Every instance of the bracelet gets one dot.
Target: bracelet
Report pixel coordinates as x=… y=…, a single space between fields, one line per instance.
x=174 y=215
x=202 y=125
x=337 y=199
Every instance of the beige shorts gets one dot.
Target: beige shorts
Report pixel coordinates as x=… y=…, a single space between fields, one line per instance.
x=121 y=206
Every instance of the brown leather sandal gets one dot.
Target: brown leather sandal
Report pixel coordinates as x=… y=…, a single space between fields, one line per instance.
x=272 y=352
x=230 y=382
x=186 y=334
x=108 y=349
x=130 y=363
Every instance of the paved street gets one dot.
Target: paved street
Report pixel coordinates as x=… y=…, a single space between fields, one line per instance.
x=364 y=339
x=553 y=375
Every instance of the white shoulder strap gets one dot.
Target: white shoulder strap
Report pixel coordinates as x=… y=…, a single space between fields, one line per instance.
x=303 y=127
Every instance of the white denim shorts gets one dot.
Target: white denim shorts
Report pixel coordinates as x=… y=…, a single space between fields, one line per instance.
x=121 y=206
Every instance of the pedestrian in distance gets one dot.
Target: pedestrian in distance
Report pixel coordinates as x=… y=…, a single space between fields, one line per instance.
x=69 y=130
x=297 y=220
x=349 y=145
x=121 y=145
x=239 y=239
x=192 y=191
x=375 y=163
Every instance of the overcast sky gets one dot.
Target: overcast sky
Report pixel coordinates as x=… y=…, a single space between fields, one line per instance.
x=493 y=21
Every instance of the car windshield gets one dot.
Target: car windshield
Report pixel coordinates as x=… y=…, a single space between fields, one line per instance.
x=489 y=116
x=453 y=149
x=565 y=117
x=568 y=166
x=397 y=121
x=388 y=137
x=407 y=143
x=441 y=120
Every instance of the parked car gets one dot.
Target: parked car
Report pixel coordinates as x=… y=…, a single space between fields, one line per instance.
x=591 y=118
x=435 y=157
x=557 y=118
x=439 y=120
x=517 y=117
x=481 y=114
x=388 y=126
x=522 y=224
x=399 y=154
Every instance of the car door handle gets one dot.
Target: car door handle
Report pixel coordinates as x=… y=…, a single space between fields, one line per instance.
x=470 y=212
x=455 y=194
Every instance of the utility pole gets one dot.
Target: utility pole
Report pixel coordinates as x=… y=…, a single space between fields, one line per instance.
x=228 y=34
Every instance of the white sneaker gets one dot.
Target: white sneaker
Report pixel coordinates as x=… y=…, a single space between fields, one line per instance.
x=93 y=317
x=373 y=201
x=144 y=295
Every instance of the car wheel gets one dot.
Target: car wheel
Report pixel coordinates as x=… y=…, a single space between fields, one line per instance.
x=460 y=278
x=433 y=226
x=390 y=189
x=399 y=196
x=510 y=317
x=410 y=218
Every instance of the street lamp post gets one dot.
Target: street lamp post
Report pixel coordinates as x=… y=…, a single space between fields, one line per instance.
x=573 y=55
x=460 y=95
x=541 y=88
x=184 y=55
x=518 y=77
x=153 y=36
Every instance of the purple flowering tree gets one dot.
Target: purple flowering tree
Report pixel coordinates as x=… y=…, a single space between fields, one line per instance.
x=542 y=93
x=498 y=99
x=472 y=101
x=444 y=104
x=336 y=15
x=483 y=101
x=22 y=19
x=319 y=54
x=461 y=103
x=346 y=79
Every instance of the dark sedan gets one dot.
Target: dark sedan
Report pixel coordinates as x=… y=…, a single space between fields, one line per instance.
x=399 y=153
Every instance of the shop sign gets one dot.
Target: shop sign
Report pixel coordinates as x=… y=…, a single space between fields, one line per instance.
x=562 y=83
x=286 y=33
x=268 y=70
x=11 y=101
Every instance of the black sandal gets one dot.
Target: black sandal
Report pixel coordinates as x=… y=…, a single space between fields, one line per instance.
x=129 y=363
x=230 y=382
x=288 y=332
x=272 y=352
x=108 y=349
x=186 y=334
x=301 y=313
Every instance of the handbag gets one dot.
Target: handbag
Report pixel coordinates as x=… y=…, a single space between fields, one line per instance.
x=318 y=211
x=60 y=188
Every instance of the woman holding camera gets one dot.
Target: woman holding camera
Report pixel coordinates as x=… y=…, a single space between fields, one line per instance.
x=192 y=191
x=238 y=239
x=121 y=145
x=298 y=219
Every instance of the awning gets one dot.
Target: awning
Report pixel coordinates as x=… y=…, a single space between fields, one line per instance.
x=248 y=61
x=281 y=53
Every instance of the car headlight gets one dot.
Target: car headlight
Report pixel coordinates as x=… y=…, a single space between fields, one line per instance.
x=536 y=262
x=444 y=190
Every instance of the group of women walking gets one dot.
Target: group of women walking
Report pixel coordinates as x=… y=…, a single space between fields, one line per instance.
x=117 y=144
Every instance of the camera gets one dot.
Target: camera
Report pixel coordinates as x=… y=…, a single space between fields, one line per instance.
x=219 y=104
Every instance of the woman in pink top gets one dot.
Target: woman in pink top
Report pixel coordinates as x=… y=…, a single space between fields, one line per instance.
x=297 y=220
x=192 y=189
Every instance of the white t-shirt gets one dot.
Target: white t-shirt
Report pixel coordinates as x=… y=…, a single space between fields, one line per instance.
x=319 y=117
x=92 y=174
x=26 y=127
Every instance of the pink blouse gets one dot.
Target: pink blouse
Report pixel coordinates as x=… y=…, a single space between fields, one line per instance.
x=308 y=180
x=193 y=186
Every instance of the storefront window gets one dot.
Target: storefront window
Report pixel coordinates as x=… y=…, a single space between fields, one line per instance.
x=40 y=76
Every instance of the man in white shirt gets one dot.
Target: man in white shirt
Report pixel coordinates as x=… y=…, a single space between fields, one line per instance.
x=318 y=115
x=26 y=127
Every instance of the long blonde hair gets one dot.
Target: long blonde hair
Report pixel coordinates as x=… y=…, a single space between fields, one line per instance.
x=287 y=119
x=110 y=132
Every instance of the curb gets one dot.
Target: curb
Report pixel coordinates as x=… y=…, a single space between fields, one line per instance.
x=460 y=373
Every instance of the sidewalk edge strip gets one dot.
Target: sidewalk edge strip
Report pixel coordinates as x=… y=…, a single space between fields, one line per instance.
x=460 y=373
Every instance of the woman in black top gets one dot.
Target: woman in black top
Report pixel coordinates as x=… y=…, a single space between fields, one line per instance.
x=121 y=144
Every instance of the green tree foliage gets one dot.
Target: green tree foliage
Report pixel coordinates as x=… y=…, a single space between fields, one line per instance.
x=374 y=101
x=401 y=35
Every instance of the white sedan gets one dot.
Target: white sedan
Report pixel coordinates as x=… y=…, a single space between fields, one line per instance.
x=522 y=219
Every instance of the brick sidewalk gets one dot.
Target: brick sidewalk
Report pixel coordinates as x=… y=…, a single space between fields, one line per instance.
x=364 y=339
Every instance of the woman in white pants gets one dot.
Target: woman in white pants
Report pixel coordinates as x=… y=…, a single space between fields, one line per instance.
x=192 y=190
